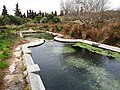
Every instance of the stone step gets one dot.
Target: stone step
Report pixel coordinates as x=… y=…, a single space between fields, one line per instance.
x=33 y=68
x=35 y=82
x=28 y=60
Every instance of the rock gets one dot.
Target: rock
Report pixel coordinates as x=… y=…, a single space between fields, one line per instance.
x=17 y=54
x=12 y=68
x=14 y=82
x=25 y=72
x=18 y=48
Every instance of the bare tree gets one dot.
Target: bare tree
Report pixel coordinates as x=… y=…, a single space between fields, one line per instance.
x=87 y=5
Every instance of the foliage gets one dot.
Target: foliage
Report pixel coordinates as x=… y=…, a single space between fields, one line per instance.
x=6 y=40
x=49 y=16
x=4 y=12
x=9 y=20
x=44 y=20
x=37 y=19
x=1 y=21
x=56 y=20
x=3 y=64
x=17 y=10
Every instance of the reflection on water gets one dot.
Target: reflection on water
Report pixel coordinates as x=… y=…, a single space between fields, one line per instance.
x=67 y=68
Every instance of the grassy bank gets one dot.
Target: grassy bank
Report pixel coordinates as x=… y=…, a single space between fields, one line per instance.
x=6 y=41
x=99 y=50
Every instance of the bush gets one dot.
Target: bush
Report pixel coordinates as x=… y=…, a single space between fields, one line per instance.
x=9 y=19
x=16 y=20
x=50 y=16
x=44 y=20
x=37 y=19
x=56 y=20
x=1 y=21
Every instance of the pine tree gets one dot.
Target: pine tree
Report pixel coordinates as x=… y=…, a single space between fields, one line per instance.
x=24 y=16
x=52 y=13
x=27 y=14
x=30 y=13
x=17 y=10
x=4 y=12
x=55 y=13
x=40 y=13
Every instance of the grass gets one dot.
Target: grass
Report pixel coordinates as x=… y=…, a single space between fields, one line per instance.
x=6 y=41
x=99 y=50
x=3 y=64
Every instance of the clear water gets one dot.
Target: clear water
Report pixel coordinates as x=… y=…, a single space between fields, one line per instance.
x=66 y=68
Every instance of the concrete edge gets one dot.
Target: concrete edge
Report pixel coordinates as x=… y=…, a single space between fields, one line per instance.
x=35 y=80
x=60 y=38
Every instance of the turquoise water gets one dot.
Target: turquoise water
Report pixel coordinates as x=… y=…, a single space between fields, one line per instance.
x=66 y=68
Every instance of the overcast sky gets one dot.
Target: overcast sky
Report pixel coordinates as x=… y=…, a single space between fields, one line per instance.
x=36 y=5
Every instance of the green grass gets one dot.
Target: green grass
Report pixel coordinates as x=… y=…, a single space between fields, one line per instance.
x=6 y=41
x=3 y=64
x=99 y=50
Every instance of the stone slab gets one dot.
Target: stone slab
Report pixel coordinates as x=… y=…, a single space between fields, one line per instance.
x=35 y=82
x=28 y=60
x=33 y=68
x=25 y=49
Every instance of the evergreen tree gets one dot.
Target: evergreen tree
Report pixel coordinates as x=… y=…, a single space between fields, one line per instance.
x=17 y=11
x=4 y=12
x=24 y=16
x=40 y=13
x=52 y=13
x=30 y=13
x=27 y=14
x=55 y=13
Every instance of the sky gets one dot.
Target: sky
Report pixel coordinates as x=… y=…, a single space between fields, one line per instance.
x=36 y=5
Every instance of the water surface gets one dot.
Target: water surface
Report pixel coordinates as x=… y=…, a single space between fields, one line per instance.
x=66 y=68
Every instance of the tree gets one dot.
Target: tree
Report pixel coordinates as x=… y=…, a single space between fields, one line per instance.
x=72 y=6
x=55 y=13
x=40 y=13
x=17 y=11
x=24 y=16
x=4 y=12
x=61 y=13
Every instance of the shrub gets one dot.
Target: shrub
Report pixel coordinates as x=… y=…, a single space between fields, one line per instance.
x=50 y=16
x=56 y=20
x=37 y=19
x=44 y=20
x=1 y=21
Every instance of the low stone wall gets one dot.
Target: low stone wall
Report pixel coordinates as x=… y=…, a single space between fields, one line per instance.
x=32 y=69
x=60 y=38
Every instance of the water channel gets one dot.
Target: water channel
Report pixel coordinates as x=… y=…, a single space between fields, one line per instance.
x=64 y=67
